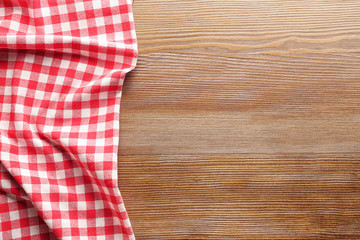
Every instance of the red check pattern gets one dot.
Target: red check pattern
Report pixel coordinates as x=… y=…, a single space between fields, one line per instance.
x=62 y=65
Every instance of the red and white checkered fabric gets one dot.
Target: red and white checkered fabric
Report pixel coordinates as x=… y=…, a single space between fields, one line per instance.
x=62 y=65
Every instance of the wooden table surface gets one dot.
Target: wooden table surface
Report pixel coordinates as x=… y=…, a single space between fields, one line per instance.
x=242 y=120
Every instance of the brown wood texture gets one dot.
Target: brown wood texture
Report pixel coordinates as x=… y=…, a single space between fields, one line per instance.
x=242 y=120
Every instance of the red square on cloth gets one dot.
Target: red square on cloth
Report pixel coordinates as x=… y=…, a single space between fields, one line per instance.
x=62 y=66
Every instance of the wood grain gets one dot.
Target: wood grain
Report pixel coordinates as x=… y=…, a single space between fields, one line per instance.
x=242 y=120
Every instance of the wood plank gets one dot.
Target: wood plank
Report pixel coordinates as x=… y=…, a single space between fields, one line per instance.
x=175 y=132
x=242 y=196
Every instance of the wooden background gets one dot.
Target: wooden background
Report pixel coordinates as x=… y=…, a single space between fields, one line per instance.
x=242 y=120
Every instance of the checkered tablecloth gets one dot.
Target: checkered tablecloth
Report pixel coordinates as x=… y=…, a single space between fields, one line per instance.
x=62 y=65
